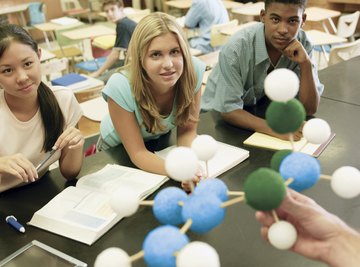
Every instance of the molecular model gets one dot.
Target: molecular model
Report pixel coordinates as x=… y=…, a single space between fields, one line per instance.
x=204 y=209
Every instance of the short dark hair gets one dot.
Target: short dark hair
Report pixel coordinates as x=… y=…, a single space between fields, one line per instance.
x=301 y=3
x=119 y=3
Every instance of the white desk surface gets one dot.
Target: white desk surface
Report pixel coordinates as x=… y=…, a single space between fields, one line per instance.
x=186 y=4
x=50 y=26
x=323 y=38
x=89 y=32
x=231 y=30
x=320 y=14
x=95 y=109
x=250 y=9
x=13 y=9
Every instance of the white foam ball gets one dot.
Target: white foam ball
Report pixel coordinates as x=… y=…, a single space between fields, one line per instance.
x=281 y=85
x=316 y=131
x=282 y=235
x=112 y=257
x=181 y=164
x=197 y=254
x=345 y=182
x=124 y=201
x=205 y=146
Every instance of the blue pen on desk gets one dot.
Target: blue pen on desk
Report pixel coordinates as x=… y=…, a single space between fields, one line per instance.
x=14 y=223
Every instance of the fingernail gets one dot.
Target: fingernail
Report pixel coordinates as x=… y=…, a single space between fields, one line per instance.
x=54 y=147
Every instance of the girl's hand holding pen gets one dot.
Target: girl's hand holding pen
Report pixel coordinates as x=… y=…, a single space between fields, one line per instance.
x=18 y=166
x=71 y=137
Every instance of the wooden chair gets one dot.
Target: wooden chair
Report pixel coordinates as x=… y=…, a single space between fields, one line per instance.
x=217 y=39
x=344 y=52
x=54 y=67
x=68 y=48
x=100 y=48
x=73 y=8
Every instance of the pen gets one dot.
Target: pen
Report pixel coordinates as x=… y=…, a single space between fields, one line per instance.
x=14 y=223
x=45 y=159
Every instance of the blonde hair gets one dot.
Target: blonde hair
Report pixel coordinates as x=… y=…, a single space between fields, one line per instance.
x=149 y=27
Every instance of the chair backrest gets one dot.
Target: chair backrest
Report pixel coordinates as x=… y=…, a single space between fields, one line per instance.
x=54 y=67
x=346 y=25
x=216 y=37
x=37 y=12
x=344 y=52
x=67 y=5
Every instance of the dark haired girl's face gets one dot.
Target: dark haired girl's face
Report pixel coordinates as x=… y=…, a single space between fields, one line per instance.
x=20 y=73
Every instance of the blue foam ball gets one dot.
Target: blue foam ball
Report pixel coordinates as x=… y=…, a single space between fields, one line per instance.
x=160 y=245
x=304 y=168
x=166 y=208
x=212 y=186
x=205 y=211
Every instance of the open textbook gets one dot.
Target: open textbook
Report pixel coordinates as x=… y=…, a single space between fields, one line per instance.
x=226 y=157
x=83 y=213
x=273 y=143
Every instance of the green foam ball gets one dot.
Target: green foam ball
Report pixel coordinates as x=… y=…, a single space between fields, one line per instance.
x=264 y=189
x=285 y=117
x=278 y=157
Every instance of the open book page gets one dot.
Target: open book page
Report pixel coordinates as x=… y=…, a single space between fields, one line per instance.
x=273 y=143
x=113 y=177
x=226 y=157
x=78 y=214
x=83 y=213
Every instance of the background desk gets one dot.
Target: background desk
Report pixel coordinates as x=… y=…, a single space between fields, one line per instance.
x=336 y=80
x=237 y=239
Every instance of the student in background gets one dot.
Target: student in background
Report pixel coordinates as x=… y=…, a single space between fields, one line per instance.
x=203 y=14
x=34 y=118
x=157 y=90
x=244 y=62
x=114 y=10
x=322 y=236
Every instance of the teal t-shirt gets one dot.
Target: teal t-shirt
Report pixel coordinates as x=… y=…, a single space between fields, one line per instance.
x=119 y=89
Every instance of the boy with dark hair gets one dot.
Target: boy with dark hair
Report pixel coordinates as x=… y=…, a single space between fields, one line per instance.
x=252 y=53
x=114 y=10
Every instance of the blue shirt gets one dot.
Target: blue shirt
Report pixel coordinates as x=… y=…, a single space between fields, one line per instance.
x=119 y=89
x=238 y=78
x=203 y=14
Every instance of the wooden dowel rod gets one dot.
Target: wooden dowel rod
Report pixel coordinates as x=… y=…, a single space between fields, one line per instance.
x=232 y=201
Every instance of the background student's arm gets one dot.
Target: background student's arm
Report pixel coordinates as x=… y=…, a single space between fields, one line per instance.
x=71 y=143
x=308 y=94
x=127 y=127
x=246 y=120
x=187 y=132
x=111 y=59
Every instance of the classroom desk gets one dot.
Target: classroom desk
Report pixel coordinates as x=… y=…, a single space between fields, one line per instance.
x=186 y=4
x=336 y=81
x=16 y=9
x=233 y=29
x=249 y=11
x=89 y=32
x=237 y=240
x=318 y=14
x=50 y=28
x=322 y=38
